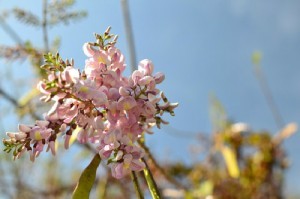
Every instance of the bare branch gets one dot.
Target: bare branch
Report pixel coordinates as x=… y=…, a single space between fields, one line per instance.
x=10 y=32
x=129 y=34
x=44 y=25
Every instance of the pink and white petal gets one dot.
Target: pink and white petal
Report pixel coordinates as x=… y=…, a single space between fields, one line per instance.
x=137 y=165
x=88 y=50
x=42 y=123
x=24 y=128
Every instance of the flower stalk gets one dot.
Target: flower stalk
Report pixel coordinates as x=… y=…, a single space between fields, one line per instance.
x=150 y=181
x=136 y=184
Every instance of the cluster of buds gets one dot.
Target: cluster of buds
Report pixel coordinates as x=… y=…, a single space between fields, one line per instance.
x=108 y=109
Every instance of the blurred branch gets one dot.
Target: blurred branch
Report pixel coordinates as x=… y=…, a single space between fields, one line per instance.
x=155 y=193
x=10 y=31
x=129 y=34
x=60 y=190
x=136 y=184
x=266 y=90
x=44 y=25
x=26 y=17
x=9 y=98
x=58 y=12
x=16 y=104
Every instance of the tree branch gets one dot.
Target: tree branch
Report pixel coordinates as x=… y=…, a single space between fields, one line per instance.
x=16 y=104
x=10 y=32
x=44 y=26
x=129 y=34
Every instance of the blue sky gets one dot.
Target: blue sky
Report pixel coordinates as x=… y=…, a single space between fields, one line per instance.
x=203 y=47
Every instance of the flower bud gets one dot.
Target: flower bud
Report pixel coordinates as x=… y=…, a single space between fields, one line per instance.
x=88 y=50
x=159 y=77
x=124 y=91
x=146 y=67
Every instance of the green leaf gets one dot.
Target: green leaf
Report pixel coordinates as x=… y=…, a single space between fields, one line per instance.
x=87 y=179
x=231 y=161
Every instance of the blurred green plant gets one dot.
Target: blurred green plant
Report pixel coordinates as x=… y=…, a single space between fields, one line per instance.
x=240 y=163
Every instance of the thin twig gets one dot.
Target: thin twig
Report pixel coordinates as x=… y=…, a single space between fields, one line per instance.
x=136 y=184
x=9 y=98
x=268 y=95
x=44 y=26
x=16 y=104
x=10 y=32
x=150 y=181
x=129 y=34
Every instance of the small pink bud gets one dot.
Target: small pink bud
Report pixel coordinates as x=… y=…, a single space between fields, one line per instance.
x=24 y=128
x=124 y=91
x=11 y=135
x=51 y=77
x=137 y=165
x=159 y=77
x=152 y=98
x=20 y=136
x=41 y=86
x=88 y=50
x=126 y=103
x=42 y=123
x=136 y=75
x=145 y=80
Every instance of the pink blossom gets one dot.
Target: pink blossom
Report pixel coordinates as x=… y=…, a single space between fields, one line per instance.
x=117 y=59
x=111 y=110
x=126 y=103
x=146 y=80
x=136 y=76
x=124 y=91
x=39 y=133
x=69 y=75
x=88 y=50
x=131 y=162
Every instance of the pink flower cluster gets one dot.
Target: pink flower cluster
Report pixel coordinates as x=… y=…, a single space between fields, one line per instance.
x=110 y=110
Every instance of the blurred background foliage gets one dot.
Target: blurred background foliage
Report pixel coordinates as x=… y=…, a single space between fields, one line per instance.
x=238 y=162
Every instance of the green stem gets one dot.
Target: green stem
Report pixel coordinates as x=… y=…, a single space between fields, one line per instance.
x=136 y=184
x=151 y=182
x=268 y=95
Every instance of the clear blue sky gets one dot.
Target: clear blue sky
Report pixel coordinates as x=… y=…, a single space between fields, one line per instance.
x=203 y=47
